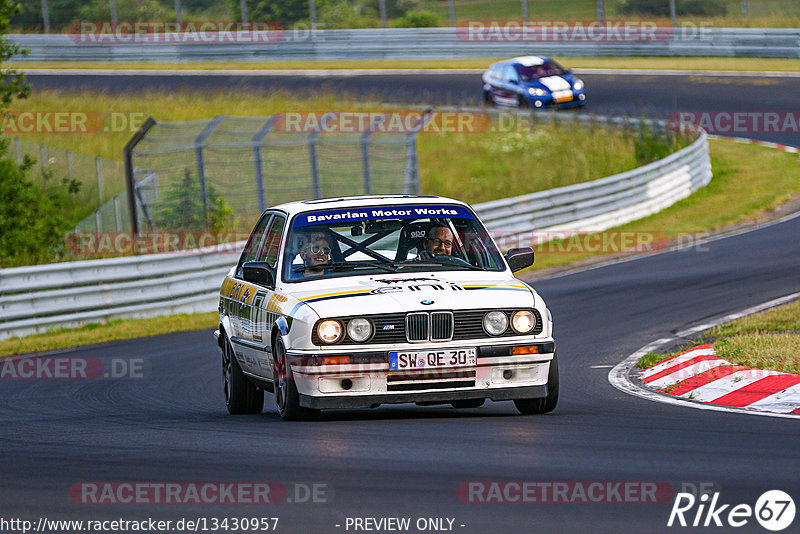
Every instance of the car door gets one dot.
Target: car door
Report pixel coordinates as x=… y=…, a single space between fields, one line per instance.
x=507 y=86
x=241 y=300
x=264 y=309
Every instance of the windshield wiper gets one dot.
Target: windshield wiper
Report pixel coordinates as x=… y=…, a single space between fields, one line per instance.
x=388 y=267
x=436 y=264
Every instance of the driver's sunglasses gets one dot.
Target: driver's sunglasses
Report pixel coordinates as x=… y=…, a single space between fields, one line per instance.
x=436 y=241
x=316 y=249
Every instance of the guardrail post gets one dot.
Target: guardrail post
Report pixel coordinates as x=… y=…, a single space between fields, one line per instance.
x=199 y=144
x=312 y=156
x=130 y=179
x=99 y=165
x=259 y=165
x=98 y=223
x=117 y=215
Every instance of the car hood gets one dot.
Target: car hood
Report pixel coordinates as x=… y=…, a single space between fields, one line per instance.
x=393 y=293
x=553 y=83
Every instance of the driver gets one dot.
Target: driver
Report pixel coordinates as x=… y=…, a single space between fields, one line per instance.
x=438 y=240
x=316 y=254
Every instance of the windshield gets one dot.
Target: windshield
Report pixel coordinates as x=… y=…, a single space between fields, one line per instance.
x=534 y=72
x=392 y=238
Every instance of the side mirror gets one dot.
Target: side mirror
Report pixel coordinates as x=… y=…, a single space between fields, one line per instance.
x=258 y=272
x=519 y=258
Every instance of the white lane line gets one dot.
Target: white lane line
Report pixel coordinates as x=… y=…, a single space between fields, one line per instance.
x=601 y=366
x=385 y=72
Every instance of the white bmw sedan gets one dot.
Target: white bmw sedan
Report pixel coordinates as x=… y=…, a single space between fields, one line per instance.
x=361 y=301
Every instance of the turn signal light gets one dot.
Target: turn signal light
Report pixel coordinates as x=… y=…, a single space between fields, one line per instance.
x=531 y=349
x=334 y=360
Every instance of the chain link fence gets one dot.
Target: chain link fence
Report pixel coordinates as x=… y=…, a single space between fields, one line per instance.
x=223 y=172
x=102 y=182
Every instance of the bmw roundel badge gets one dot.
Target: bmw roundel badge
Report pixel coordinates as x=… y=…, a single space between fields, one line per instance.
x=426 y=302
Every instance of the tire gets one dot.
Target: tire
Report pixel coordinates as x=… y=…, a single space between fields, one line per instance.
x=286 y=396
x=487 y=99
x=468 y=403
x=241 y=396
x=523 y=103
x=546 y=404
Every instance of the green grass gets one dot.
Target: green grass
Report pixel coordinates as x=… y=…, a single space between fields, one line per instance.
x=767 y=340
x=749 y=180
x=115 y=330
x=618 y=63
x=761 y=13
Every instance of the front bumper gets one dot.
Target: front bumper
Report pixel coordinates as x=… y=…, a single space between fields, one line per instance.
x=365 y=378
x=366 y=401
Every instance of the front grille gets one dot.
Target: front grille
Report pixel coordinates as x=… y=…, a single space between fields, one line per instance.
x=441 y=326
x=395 y=328
x=417 y=327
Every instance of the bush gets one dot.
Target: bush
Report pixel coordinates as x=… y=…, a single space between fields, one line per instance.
x=660 y=8
x=417 y=19
x=182 y=208
x=342 y=14
x=138 y=10
x=650 y=146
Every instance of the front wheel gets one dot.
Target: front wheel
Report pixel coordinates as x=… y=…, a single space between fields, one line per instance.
x=241 y=396
x=286 y=396
x=546 y=404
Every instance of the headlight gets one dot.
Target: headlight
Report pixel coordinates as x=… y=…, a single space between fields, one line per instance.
x=495 y=322
x=578 y=85
x=537 y=91
x=329 y=331
x=359 y=329
x=523 y=321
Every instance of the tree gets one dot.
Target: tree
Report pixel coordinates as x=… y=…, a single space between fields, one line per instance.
x=33 y=217
x=182 y=207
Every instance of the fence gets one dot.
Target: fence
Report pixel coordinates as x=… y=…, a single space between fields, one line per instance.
x=100 y=180
x=33 y=299
x=406 y=43
x=200 y=171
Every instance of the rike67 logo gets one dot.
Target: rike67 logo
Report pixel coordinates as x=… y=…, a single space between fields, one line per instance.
x=774 y=510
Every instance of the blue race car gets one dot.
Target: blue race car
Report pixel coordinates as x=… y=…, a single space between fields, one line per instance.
x=532 y=82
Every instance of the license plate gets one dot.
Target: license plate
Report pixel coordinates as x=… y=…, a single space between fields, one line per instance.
x=432 y=359
x=566 y=98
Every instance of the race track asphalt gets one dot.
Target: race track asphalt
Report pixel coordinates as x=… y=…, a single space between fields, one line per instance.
x=407 y=461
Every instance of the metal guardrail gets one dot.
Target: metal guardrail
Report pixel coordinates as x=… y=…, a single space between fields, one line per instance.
x=601 y=204
x=34 y=299
x=402 y=43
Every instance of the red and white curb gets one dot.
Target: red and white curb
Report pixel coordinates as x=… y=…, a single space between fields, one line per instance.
x=705 y=362
x=698 y=374
x=768 y=144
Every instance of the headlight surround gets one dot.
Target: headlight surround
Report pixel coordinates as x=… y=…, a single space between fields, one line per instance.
x=537 y=91
x=495 y=323
x=359 y=329
x=330 y=331
x=523 y=321
x=578 y=85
